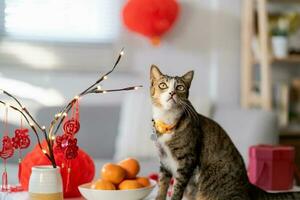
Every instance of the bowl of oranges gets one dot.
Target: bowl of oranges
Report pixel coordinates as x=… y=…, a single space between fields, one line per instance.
x=119 y=181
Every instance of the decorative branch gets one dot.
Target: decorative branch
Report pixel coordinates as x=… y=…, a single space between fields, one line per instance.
x=28 y=116
x=97 y=91
x=22 y=107
x=30 y=124
x=91 y=89
x=55 y=124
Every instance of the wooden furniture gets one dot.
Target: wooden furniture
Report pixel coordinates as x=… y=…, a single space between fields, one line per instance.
x=249 y=97
x=255 y=12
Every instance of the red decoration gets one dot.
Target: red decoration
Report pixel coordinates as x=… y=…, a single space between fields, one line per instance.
x=272 y=167
x=6 y=152
x=155 y=177
x=7 y=148
x=83 y=169
x=71 y=126
x=151 y=18
x=21 y=139
x=68 y=145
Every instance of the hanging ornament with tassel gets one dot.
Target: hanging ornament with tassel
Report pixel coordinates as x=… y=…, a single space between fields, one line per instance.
x=67 y=142
x=20 y=141
x=7 y=150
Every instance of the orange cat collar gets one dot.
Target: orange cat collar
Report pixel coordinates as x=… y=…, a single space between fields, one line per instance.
x=163 y=128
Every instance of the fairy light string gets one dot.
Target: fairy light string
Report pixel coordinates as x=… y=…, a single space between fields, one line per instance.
x=49 y=134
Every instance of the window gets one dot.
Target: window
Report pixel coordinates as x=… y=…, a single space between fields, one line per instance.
x=39 y=34
x=61 y=20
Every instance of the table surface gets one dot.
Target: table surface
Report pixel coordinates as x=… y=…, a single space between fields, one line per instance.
x=24 y=196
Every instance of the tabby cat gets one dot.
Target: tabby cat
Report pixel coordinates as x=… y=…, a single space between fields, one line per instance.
x=195 y=150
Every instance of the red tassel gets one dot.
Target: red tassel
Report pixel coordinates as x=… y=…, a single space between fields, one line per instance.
x=4 y=178
x=6 y=151
x=4 y=181
x=20 y=167
x=68 y=176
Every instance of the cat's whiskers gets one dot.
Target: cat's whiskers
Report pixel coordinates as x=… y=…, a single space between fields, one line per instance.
x=188 y=109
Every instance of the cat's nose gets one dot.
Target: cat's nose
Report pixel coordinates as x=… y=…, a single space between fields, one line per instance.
x=172 y=93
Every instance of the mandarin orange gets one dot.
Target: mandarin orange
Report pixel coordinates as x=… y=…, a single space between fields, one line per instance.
x=131 y=166
x=103 y=185
x=143 y=181
x=129 y=185
x=113 y=173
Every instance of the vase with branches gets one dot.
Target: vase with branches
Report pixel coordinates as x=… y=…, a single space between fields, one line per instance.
x=49 y=134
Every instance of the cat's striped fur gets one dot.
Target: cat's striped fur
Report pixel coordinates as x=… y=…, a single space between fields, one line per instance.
x=198 y=153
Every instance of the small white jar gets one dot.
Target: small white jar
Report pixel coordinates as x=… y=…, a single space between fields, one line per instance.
x=45 y=183
x=280 y=46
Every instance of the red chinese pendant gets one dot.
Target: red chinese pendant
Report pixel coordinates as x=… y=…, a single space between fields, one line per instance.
x=67 y=145
x=71 y=126
x=7 y=148
x=21 y=139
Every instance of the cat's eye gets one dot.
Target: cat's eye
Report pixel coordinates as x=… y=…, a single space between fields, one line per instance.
x=163 y=86
x=180 y=88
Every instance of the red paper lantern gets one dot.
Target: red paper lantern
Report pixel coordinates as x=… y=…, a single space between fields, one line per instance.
x=151 y=18
x=82 y=169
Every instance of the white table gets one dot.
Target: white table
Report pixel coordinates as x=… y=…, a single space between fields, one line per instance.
x=25 y=196
x=22 y=196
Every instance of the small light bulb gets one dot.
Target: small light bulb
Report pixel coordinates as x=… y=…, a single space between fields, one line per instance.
x=76 y=97
x=65 y=114
x=104 y=92
x=44 y=127
x=136 y=88
x=105 y=77
x=44 y=151
x=31 y=124
x=53 y=137
x=99 y=88
x=122 y=53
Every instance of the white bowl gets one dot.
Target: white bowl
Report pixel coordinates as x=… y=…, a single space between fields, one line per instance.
x=93 y=194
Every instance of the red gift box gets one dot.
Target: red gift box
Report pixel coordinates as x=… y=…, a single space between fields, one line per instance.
x=271 y=167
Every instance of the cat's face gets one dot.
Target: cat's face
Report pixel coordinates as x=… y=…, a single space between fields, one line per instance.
x=169 y=92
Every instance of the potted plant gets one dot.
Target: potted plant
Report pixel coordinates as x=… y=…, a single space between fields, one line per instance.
x=280 y=34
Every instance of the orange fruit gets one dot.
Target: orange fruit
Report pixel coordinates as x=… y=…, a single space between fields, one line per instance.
x=113 y=173
x=130 y=185
x=103 y=185
x=144 y=181
x=131 y=166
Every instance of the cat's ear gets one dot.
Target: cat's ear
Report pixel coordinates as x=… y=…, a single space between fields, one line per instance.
x=155 y=73
x=188 y=77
